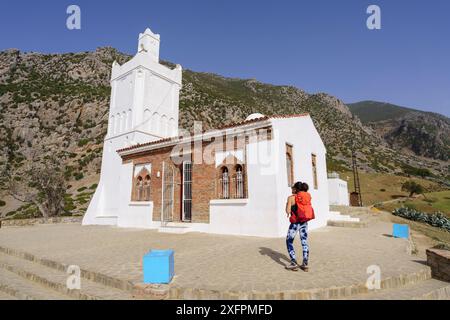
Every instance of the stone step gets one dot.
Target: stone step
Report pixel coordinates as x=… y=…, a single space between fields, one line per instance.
x=56 y=280
x=174 y=228
x=347 y=224
x=350 y=210
x=19 y=288
x=340 y=217
x=431 y=289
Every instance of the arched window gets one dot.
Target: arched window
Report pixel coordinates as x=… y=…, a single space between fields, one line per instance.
x=156 y=119
x=289 y=169
x=130 y=119
x=239 y=180
x=225 y=183
x=164 y=126
x=147 y=120
x=140 y=188
x=117 y=126
x=111 y=125
x=172 y=127
x=124 y=122
x=314 y=170
x=147 y=188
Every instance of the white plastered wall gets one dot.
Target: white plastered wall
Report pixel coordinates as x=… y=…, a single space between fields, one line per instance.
x=301 y=133
x=338 y=192
x=140 y=84
x=255 y=216
x=263 y=213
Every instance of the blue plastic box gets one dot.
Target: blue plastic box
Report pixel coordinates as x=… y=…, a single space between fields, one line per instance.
x=401 y=231
x=158 y=266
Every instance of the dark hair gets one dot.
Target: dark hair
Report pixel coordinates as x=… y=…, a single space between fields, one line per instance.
x=297 y=186
x=304 y=187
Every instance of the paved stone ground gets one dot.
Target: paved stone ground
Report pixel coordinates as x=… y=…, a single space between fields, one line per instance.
x=339 y=256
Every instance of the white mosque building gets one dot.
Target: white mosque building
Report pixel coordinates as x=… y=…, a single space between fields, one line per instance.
x=231 y=180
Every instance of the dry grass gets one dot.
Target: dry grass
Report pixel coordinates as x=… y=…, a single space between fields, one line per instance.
x=376 y=187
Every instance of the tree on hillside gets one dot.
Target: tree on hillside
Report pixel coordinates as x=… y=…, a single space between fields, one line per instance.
x=412 y=187
x=43 y=185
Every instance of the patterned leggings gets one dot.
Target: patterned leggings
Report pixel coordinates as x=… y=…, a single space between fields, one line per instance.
x=293 y=229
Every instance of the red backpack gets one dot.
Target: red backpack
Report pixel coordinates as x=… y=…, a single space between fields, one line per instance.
x=305 y=211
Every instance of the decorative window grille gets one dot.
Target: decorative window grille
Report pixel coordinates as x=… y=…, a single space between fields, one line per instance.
x=187 y=191
x=239 y=182
x=225 y=182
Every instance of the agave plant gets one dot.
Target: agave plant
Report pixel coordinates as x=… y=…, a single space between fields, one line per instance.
x=437 y=219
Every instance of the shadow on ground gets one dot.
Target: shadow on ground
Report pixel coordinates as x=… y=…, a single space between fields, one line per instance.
x=278 y=257
x=423 y=262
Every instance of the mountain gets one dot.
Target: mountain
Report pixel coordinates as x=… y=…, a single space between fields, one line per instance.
x=424 y=133
x=57 y=105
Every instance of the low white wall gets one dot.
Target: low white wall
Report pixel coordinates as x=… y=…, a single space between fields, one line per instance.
x=255 y=216
x=338 y=192
x=133 y=214
x=114 y=188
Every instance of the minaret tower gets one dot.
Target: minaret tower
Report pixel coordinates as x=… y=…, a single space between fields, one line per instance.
x=143 y=108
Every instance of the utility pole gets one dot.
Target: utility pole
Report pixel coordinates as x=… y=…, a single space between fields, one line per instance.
x=357 y=192
x=356 y=197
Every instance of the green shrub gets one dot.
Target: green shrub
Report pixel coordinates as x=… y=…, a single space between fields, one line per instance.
x=94 y=186
x=2 y=203
x=437 y=219
x=78 y=176
x=83 y=142
x=69 y=206
x=11 y=213
x=412 y=187
x=81 y=189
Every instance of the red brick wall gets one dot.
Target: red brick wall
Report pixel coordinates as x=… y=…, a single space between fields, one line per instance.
x=203 y=184
x=204 y=181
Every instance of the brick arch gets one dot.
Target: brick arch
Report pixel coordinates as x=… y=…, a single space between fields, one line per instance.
x=235 y=190
x=141 y=186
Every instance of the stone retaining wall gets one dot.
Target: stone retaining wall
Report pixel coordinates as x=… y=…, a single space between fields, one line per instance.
x=36 y=221
x=439 y=261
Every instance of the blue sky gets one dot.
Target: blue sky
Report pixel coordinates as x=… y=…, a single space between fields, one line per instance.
x=319 y=46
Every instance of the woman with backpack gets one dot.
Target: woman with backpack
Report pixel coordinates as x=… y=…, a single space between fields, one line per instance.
x=299 y=212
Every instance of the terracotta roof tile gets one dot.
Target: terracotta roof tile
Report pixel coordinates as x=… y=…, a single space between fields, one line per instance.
x=228 y=126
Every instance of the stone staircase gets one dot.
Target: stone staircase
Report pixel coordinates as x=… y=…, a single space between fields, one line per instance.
x=350 y=217
x=24 y=279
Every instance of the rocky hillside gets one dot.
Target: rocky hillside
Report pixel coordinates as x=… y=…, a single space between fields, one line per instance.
x=424 y=133
x=57 y=104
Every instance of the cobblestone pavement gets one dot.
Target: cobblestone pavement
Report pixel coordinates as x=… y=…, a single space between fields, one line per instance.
x=338 y=256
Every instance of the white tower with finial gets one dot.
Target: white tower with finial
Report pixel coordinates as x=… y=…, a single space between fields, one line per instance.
x=143 y=108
